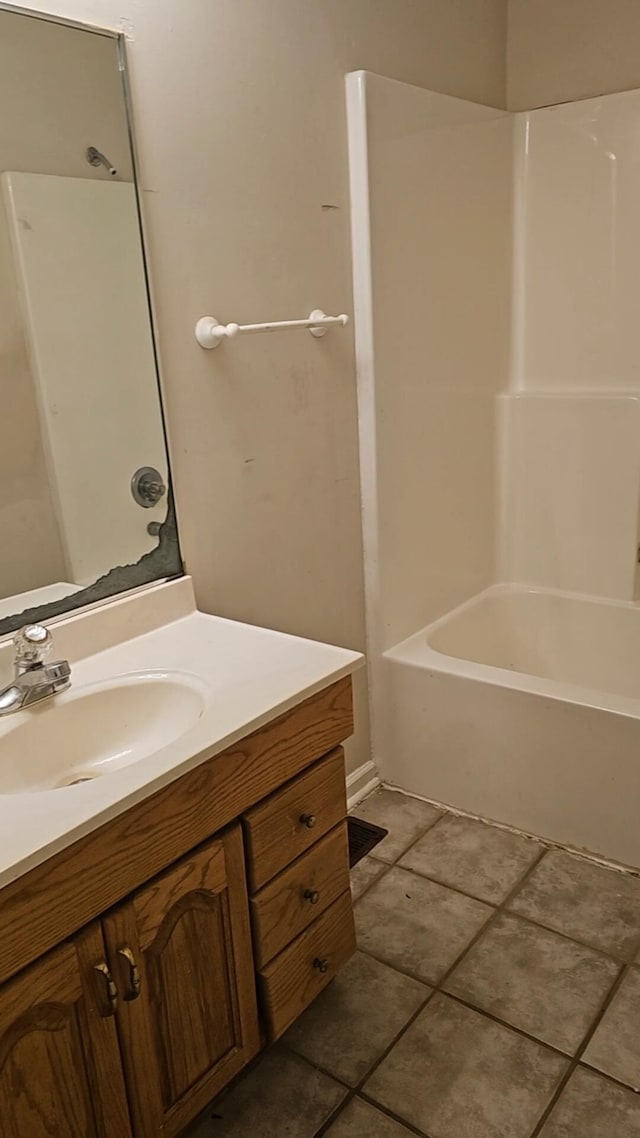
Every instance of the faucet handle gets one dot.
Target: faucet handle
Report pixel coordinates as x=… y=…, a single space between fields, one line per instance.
x=33 y=644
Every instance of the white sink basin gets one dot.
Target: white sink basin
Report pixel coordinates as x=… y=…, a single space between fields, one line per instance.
x=95 y=729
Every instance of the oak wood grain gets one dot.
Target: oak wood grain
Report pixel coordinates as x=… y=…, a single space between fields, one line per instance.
x=60 y=1072
x=203 y=870
x=290 y=982
x=298 y=895
x=287 y=823
x=194 y=1024
x=52 y=901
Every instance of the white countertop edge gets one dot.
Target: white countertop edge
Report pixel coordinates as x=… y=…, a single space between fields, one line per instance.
x=117 y=803
x=114 y=809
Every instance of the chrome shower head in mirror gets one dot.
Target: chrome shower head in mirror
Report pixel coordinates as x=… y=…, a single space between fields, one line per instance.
x=97 y=158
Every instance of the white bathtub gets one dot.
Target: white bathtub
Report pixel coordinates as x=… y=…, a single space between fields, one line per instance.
x=523 y=706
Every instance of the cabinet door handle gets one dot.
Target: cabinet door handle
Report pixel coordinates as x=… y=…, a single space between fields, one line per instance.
x=321 y=964
x=112 y=991
x=135 y=980
x=308 y=820
x=312 y=896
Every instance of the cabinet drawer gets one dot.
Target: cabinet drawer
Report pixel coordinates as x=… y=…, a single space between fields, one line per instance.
x=298 y=895
x=290 y=982
x=291 y=820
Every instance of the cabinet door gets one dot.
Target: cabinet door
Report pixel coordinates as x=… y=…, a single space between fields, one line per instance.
x=180 y=950
x=60 y=1073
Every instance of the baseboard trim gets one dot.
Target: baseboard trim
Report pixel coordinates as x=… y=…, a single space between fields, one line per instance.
x=361 y=782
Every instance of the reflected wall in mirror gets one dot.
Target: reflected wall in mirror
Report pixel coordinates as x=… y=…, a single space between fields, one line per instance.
x=85 y=505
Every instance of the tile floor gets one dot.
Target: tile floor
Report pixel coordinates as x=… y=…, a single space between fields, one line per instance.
x=495 y=994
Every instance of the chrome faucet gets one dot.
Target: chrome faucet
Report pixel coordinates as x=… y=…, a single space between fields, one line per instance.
x=34 y=680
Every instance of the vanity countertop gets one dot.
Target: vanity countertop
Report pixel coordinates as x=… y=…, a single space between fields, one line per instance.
x=247 y=676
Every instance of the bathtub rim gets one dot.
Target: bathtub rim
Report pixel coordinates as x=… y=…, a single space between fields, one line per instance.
x=416 y=651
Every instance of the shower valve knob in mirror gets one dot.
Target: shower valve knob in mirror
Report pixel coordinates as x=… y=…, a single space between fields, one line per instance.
x=147 y=487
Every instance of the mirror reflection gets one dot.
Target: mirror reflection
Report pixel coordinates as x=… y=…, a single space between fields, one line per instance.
x=85 y=504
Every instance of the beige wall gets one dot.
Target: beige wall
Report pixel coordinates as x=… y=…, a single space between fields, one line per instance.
x=241 y=124
x=559 y=50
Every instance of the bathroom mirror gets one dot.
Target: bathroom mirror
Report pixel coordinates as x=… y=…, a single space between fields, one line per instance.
x=85 y=503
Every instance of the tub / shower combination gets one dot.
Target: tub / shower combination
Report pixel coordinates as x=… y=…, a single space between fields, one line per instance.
x=497 y=339
x=523 y=706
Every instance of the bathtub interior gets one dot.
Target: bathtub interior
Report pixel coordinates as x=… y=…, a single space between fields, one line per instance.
x=584 y=641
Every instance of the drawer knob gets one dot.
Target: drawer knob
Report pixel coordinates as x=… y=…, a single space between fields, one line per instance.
x=312 y=896
x=321 y=964
x=308 y=820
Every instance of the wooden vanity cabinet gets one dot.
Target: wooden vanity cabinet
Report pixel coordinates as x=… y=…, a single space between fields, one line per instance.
x=180 y=953
x=60 y=1067
x=129 y=970
x=302 y=918
x=158 y=998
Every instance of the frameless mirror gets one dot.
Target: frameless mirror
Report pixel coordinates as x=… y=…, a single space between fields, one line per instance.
x=85 y=503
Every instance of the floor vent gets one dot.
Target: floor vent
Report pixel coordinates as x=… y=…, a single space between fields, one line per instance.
x=363 y=836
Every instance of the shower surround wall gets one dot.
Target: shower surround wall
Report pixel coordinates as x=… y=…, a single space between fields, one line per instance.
x=499 y=394
x=32 y=554
x=572 y=418
x=431 y=187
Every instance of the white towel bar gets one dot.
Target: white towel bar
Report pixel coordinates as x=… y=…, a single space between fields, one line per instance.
x=209 y=333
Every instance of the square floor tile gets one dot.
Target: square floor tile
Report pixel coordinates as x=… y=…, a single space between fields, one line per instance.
x=364 y=874
x=356 y=1018
x=536 y=980
x=473 y=856
x=456 y=1074
x=594 y=904
x=361 y=1120
x=615 y=1046
x=592 y=1107
x=405 y=818
x=416 y=925
x=280 y=1095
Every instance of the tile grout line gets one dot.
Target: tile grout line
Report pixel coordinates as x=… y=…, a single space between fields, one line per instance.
x=435 y=989
x=575 y=1061
x=358 y=1090
x=502 y=909
x=393 y=864
x=353 y=1092
x=438 y=989
x=372 y=883
x=414 y=841
x=463 y=892
x=385 y=1110
x=619 y=960
x=498 y=910
x=578 y=852
x=586 y=1066
x=546 y=847
x=501 y=906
